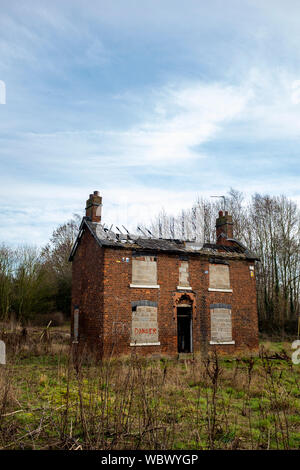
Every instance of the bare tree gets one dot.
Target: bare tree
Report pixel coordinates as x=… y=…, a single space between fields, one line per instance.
x=55 y=258
x=31 y=290
x=267 y=225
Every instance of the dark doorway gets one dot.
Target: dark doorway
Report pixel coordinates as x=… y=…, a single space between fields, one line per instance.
x=184 y=329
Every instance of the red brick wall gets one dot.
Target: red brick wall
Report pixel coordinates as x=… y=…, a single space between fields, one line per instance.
x=101 y=280
x=87 y=291
x=243 y=307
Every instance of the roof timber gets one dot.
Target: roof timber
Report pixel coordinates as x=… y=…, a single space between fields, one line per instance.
x=109 y=239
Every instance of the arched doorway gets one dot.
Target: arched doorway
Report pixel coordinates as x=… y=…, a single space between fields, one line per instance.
x=184 y=313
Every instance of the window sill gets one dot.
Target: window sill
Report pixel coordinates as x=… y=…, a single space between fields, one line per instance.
x=184 y=288
x=222 y=342
x=144 y=286
x=145 y=344
x=212 y=289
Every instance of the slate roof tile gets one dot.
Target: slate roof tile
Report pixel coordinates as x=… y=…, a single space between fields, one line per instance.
x=110 y=239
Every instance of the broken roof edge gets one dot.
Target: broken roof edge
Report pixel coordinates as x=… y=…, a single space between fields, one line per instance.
x=80 y=232
x=250 y=254
x=220 y=251
x=168 y=245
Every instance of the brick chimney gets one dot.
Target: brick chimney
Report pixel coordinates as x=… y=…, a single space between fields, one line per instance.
x=224 y=227
x=93 y=207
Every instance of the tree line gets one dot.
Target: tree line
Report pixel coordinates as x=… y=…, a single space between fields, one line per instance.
x=35 y=281
x=267 y=225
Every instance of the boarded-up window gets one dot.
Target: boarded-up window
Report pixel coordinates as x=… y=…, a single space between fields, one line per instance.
x=184 y=279
x=219 y=276
x=221 y=325
x=144 y=327
x=144 y=270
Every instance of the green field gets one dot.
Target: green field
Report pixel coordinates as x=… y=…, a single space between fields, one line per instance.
x=133 y=403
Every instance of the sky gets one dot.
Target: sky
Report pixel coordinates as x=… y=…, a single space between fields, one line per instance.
x=151 y=102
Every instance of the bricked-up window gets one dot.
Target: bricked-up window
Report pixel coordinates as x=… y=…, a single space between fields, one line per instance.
x=184 y=278
x=144 y=271
x=219 y=276
x=221 y=324
x=144 y=326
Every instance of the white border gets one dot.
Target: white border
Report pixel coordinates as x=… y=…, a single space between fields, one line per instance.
x=184 y=288
x=145 y=344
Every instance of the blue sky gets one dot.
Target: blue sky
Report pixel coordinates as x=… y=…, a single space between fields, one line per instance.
x=152 y=103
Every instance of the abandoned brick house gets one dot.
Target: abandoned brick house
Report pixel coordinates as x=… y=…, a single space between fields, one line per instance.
x=161 y=296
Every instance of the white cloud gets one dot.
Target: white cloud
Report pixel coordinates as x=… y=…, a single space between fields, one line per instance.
x=178 y=119
x=185 y=117
x=31 y=219
x=274 y=110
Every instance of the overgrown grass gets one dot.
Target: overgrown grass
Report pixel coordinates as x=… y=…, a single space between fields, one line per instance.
x=134 y=403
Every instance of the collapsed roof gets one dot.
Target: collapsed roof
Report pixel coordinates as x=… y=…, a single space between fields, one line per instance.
x=107 y=238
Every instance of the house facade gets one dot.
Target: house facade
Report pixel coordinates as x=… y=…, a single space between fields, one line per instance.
x=158 y=296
